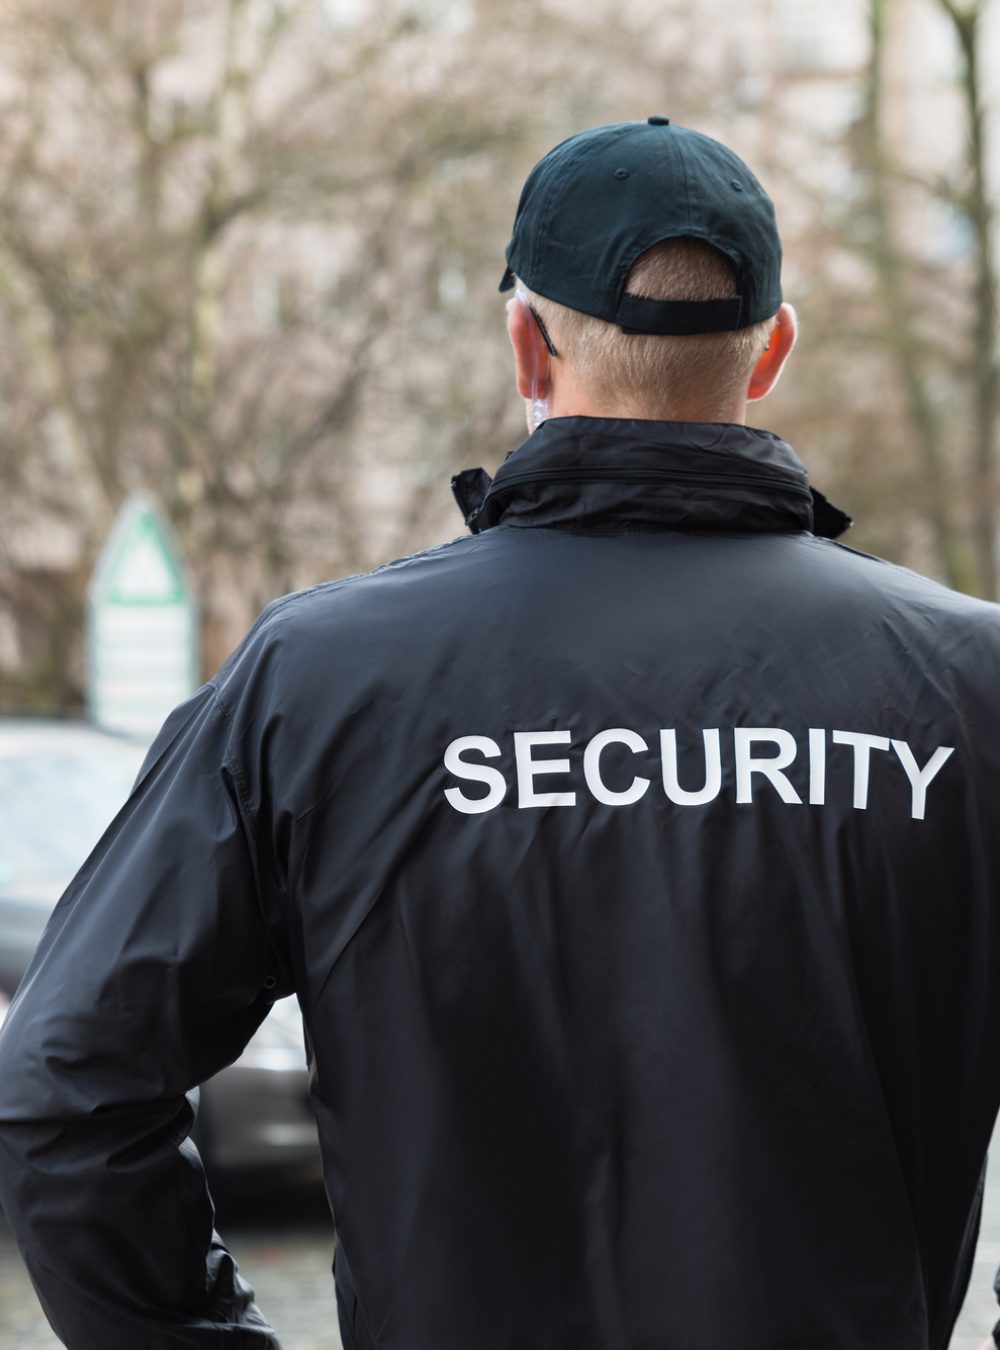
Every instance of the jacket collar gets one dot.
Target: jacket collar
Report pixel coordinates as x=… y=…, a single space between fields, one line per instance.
x=607 y=473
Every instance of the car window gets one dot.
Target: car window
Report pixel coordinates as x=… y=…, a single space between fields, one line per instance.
x=56 y=803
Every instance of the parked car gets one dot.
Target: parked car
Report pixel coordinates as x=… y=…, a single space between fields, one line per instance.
x=61 y=783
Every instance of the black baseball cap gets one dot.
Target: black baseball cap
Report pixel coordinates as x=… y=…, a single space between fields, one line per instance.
x=599 y=200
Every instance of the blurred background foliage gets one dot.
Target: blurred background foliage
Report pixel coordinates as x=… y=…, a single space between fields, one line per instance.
x=249 y=252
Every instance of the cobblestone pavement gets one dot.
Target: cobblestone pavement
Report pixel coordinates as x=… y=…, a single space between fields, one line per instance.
x=284 y=1245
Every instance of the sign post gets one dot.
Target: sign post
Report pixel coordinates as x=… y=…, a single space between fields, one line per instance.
x=142 y=623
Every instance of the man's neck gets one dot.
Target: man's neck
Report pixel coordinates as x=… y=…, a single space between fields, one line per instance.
x=584 y=407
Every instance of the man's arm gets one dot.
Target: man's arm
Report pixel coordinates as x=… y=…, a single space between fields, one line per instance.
x=148 y=980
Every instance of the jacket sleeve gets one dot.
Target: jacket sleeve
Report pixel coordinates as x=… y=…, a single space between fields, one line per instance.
x=150 y=977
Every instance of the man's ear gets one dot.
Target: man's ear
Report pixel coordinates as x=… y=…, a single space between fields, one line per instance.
x=772 y=362
x=531 y=356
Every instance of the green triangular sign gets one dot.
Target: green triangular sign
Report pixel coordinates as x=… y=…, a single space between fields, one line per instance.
x=141 y=564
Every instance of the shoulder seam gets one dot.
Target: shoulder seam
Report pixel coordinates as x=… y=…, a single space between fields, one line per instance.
x=229 y=762
x=283 y=602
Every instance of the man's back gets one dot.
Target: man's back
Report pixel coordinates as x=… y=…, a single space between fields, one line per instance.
x=632 y=862
x=650 y=1060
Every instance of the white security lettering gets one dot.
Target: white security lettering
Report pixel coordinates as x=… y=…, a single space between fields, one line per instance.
x=863 y=745
x=745 y=738
x=713 y=769
x=474 y=773
x=764 y=751
x=817 y=766
x=592 y=767
x=920 y=779
x=528 y=769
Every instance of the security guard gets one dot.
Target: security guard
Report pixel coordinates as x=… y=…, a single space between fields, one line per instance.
x=633 y=859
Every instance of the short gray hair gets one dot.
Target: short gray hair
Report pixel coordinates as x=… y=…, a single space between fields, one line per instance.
x=658 y=375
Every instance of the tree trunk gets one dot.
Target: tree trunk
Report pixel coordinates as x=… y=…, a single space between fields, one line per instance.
x=957 y=568
x=54 y=383
x=984 y=293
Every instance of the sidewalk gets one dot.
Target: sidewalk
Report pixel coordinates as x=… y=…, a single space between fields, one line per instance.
x=981 y=1310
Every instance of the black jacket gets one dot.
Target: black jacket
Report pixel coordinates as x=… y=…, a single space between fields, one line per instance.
x=635 y=864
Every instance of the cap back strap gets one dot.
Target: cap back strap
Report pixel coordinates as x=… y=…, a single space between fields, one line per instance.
x=671 y=318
